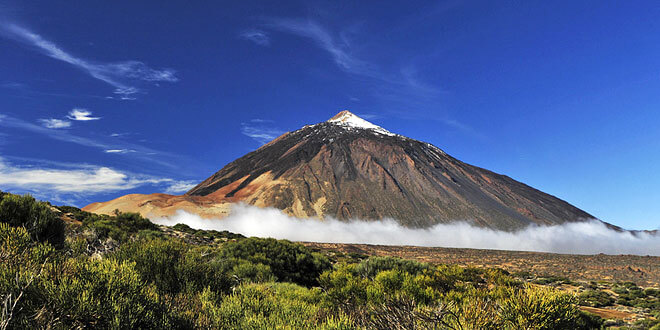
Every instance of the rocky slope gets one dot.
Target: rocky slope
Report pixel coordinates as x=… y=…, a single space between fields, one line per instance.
x=348 y=168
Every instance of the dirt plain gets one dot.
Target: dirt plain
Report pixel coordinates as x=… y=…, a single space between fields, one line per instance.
x=642 y=270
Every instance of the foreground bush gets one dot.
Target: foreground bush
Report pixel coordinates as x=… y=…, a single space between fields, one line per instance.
x=175 y=267
x=444 y=297
x=269 y=306
x=36 y=217
x=289 y=262
x=41 y=289
x=539 y=308
x=23 y=265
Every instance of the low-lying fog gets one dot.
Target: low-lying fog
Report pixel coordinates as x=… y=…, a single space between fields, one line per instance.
x=576 y=238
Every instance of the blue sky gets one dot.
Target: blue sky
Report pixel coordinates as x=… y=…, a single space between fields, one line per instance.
x=99 y=99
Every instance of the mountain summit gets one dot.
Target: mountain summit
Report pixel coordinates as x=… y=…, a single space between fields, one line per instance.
x=349 y=168
x=349 y=120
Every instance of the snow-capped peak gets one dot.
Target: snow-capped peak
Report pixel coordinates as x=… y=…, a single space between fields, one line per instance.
x=350 y=120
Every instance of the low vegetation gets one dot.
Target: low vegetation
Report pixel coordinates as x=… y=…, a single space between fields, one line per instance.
x=65 y=268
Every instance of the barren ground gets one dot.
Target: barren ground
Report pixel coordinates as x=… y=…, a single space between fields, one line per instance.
x=642 y=270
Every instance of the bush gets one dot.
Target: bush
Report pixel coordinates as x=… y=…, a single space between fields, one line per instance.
x=37 y=218
x=44 y=290
x=595 y=298
x=539 y=308
x=23 y=264
x=101 y=294
x=173 y=266
x=119 y=227
x=206 y=233
x=552 y=280
x=390 y=298
x=269 y=306
x=374 y=265
x=289 y=262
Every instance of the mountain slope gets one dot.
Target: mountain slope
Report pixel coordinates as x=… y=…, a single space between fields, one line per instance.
x=349 y=168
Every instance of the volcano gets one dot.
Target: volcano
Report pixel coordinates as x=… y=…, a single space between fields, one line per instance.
x=348 y=168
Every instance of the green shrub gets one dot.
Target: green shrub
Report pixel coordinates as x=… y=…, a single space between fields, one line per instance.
x=539 y=308
x=102 y=294
x=206 y=233
x=119 y=227
x=374 y=265
x=269 y=306
x=552 y=280
x=652 y=292
x=589 y=321
x=24 y=263
x=79 y=214
x=595 y=298
x=289 y=262
x=37 y=218
x=173 y=266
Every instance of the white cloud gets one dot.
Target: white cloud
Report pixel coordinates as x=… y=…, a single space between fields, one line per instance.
x=115 y=74
x=118 y=151
x=67 y=182
x=180 y=187
x=339 y=50
x=83 y=179
x=61 y=135
x=259 y=37
x=589 y=237
x=55 y=123
x=259 y=131
x=54 y=134
x=401 y=89
x=81 y=115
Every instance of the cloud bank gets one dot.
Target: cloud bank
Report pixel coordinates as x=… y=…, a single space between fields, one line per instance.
x=590 y=237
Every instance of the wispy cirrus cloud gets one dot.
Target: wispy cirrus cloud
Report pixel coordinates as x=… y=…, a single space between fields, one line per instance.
x=55 y=123
x=261 y=130
x=343 y=54
x=118 y=74
x=177 y=187
x=121 y=147
x=81 y=115
x=13 y=85
x=400 y=89
x=8 y=121
x=339 y=50
x=259 y=37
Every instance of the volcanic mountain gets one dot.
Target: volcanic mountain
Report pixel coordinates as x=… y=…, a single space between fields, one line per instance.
x=349 y=168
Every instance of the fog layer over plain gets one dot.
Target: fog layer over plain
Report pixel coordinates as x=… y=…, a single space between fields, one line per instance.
x=590 y=237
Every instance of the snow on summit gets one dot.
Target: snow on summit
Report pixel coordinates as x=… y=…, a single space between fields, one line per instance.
x=350 y=120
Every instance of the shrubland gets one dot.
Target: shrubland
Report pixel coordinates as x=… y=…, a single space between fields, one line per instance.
x=122 y=271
